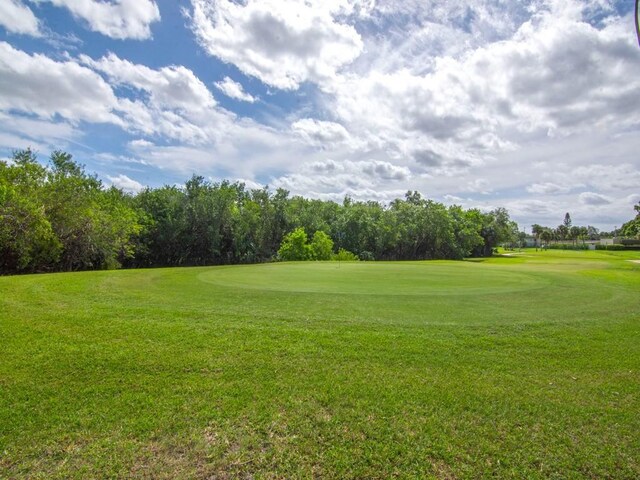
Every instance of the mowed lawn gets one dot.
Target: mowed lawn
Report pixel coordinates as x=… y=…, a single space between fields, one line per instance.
x=513 y=367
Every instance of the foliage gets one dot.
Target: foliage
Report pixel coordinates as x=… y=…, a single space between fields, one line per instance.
x=568 y=246
x=564 y=232
x=321 y=246
x=295 y=246
x=344 y=256
x=617 y=247
x=27 y=239
x=58 y=217
x=632 y=227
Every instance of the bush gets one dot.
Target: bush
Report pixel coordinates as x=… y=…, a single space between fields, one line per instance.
x=366 y=256
x=630 y=242
x=568 y=246
x=344 y=256
x=614 y=247
x=321 y=246
x=295 y=247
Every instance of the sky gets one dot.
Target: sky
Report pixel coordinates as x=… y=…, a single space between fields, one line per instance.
x=531 y=105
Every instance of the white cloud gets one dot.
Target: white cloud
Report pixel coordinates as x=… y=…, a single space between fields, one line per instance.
x=125 y=183
x=250 y=184
x=516 y=104
x=555 y=74
x=320 y=133
x=385 y=170
x=234 y=90
x=281 y=42
x=169 y=106
x=479 y=185
x=547 y=188
x=50 y=132
x=39 y=85
x=18 y=18
x=333 y=180
x=591 y=198
x=453 y=199
x=119 y=19
x=169 y=101
x=172 y=87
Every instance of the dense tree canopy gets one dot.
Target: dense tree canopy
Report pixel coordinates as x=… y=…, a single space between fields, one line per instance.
x=57 y=217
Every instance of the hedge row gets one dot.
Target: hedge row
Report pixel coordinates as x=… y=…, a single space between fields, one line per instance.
x=568 y=246
x=617 y=246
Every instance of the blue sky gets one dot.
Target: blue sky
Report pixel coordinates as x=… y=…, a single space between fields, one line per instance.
x=531 y=105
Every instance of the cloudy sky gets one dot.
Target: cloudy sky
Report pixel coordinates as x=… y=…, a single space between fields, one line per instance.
x=533 y=105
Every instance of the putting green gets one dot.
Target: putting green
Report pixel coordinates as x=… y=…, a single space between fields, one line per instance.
x=360 y=278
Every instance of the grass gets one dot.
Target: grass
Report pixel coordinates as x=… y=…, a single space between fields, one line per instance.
x=514 y=367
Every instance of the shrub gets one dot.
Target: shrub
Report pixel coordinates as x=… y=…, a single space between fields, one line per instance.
x=366 y=256
x=344 y=256
x=630 y=242
x=615 y=247
x=294 y=246
x=321 y=246
x=568 y=246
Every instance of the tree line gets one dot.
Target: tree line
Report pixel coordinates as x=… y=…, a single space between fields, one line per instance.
x=57 y=217
x=567 y=232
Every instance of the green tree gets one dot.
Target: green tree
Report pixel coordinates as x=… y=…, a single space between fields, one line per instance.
x=321 y=246
x=562 y=232
x=295 y=247
x=162 y=240
x=546 y=236
x=632 y=227
x=467 y=226
x=96 y=227
x=537 y=230
x=497 y=229
x=27 y=240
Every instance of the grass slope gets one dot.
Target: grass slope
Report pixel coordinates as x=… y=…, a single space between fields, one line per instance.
x=522 y=367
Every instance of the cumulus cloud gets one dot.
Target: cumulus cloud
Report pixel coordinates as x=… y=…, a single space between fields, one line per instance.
x=18 y=18
x=385 y=170
x=333 y=180
x=121 y=19
x=320 y=133
x=170 y=101
x=591 y=198
x=125 y=183
x=234 y=89
x=516 y=104
x=453 y=199
x=172 y=87
x=182 y=127
x=281 y=42
x=49 y=132
x=39 y=85
x=556 y=74
x=547 y=188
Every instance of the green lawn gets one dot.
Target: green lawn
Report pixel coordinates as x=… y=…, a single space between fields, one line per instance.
x=514 y=367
